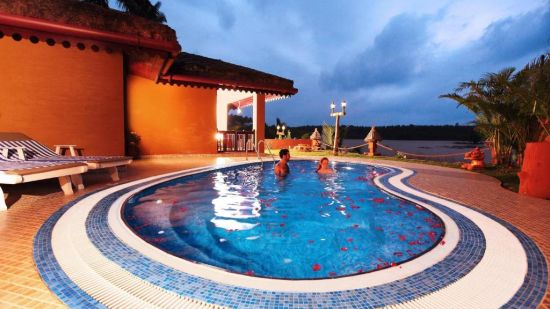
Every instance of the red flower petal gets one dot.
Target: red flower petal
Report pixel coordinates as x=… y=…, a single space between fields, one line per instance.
x=316 y=267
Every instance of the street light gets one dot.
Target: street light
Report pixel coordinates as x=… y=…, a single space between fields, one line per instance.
x=337 y=115
x=279 y=132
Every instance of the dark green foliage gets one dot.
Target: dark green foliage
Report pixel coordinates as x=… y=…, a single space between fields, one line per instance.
x=511 y=108
x=400 y=132
x=239 y=123
x=143 y=8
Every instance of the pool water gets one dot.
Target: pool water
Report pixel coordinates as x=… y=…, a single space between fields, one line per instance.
x=306 y=226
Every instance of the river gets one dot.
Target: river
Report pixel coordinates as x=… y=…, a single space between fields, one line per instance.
x=429 y=148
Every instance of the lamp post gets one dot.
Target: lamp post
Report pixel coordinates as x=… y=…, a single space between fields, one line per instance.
x=336 y=114
x=279 y=132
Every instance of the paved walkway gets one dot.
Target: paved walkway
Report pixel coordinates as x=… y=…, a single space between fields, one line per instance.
x=20 y=285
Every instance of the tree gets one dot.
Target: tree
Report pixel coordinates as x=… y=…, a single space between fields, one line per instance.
x=327 y=135
x=143 y=8
x=511 y=108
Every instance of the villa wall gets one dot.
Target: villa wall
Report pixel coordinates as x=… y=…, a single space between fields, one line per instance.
x=60 y=95
x=171 y=119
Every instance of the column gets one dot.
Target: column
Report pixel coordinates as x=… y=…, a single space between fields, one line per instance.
x=258 y=105
x=221 y=115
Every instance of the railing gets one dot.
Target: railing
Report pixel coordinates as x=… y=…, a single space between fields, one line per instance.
x=258 y=151
x=236 y=141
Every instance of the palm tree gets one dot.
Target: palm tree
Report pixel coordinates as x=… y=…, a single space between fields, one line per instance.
x=511 y=108
x=536 y=75
x=142 y=8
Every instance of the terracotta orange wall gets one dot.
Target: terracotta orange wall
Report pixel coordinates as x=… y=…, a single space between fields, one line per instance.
x=60 y=95
x=171 y=119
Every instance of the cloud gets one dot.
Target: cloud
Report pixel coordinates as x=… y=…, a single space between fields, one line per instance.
x=395 y=57
x=390 y=59
x=400 y=76
x=223 y=10
x=515 y=37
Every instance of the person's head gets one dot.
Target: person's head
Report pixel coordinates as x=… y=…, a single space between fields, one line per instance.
x=323 y=164
x=284 y=154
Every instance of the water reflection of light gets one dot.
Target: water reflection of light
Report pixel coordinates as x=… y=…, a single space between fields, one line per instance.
x=333 y=186
x=233 y=225
x=235 y=201
x=349 y=168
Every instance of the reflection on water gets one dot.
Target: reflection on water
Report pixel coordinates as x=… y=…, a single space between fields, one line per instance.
x=237 y=198
x=306 y=225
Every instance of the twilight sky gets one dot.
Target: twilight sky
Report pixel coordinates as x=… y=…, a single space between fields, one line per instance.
x=390 y=59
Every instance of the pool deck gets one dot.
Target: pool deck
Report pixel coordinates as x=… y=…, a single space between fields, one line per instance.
x=31 y=204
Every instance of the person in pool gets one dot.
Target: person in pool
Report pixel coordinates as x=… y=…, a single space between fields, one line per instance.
x=323 y=167
x=281 y=169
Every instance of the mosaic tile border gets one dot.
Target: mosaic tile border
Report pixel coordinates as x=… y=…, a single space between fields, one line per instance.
x=452 y=268
x=50 y=271
x=535 y=283
x=213 y=292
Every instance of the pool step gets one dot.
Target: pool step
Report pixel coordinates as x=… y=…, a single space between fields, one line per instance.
x=104 y=280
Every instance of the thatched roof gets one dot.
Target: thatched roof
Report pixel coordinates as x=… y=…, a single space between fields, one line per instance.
x=373 y=135
x=196 y=69
x=76 y=13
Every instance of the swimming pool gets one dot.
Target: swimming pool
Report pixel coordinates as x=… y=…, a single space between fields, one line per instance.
x=306 y=226
x=89 y=257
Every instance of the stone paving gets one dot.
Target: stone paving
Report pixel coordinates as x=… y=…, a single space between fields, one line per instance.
x=31 y=204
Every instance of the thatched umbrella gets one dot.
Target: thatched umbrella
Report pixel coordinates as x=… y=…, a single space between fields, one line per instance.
x=315 y=138
x=372 y=138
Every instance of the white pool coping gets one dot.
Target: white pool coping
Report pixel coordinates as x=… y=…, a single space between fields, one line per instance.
x=490 y=284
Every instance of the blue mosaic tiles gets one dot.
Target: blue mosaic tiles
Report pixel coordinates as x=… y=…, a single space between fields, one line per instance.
x=462 y=259
x=456 y=265
x=533 y=289
x=50 y=271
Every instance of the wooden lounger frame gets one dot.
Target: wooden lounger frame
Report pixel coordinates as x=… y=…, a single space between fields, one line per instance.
x=68 y=174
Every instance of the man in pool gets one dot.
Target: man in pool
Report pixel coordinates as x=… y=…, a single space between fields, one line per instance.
x=281 y=169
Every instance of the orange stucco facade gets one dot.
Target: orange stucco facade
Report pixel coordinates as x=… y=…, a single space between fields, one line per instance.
x=60 y=95
x=171 y=119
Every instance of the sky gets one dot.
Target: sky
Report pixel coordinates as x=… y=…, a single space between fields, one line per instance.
x=389 y=59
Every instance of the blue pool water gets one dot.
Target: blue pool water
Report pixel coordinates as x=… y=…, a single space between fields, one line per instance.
x=306 y=226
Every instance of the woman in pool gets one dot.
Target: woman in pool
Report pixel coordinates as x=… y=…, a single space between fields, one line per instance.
x=323 y=167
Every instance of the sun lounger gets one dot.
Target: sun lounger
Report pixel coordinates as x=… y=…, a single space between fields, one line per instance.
x=14 y=172
x=34 y=151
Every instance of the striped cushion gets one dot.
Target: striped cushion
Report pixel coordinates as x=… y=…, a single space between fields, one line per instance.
x=25 y=165
x=59 y=158
x=33 y=150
